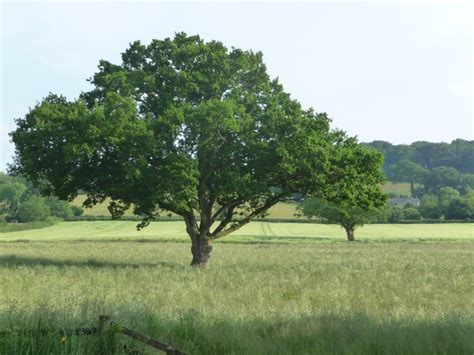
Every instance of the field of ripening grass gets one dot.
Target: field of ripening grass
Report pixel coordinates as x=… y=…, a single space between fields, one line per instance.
x=273 y=288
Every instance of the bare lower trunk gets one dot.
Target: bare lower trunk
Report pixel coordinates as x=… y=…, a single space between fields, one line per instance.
x=201 y=245
x=201 y=250
x=350 y=234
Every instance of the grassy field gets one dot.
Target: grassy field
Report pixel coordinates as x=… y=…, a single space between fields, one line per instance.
x=399 y=188
x=300 y=289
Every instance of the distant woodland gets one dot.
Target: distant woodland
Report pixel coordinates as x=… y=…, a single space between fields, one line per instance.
x=458 y=154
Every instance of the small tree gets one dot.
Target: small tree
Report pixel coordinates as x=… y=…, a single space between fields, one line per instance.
x=442 y=177
x=461 y=208
x=411 y=213
x=445 y=196
x=32 y=210
x=348 y=217
x=355 y=198
x=58 y=208
x=77 y=211
x=10 y=196
x=429 y=206
x=395 y=214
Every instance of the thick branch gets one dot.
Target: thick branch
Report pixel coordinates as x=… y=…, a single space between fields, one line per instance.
x=191 y=226
x=269 y=203
x=232 y=204
x=227 y=218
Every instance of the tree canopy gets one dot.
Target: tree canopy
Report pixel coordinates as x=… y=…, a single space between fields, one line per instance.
x=185 y=126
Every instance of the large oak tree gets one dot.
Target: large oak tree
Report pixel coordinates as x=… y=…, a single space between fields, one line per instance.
x=185 y=126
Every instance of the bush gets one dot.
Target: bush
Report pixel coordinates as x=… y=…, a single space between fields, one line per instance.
x=429 y=207
x=396 y=215
x=58 y=208
x=77 y=211
x=461 y=208
x=411 y=213
x=33 y=209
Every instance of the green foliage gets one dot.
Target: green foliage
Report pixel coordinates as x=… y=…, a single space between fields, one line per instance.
x=10 y=195
x=433 y=165
x=411 y=213
x=20 y=201
x=355 y=177
x=204 y=113
x=447 y=202
x=458 y=154
x=355 y=197
x=429 y=206
x=407 y=171
x=442 y=177
x=395 y=214
x=461 y=208
x=445 y=196
x=192 y=128
x=33 y=209
x=58 y=208
x=467 y=181
x=348 y=217
x=77 y=211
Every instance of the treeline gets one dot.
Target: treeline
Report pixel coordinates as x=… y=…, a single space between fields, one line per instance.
x=441 y=176
x=21 y=202
x=459 y=154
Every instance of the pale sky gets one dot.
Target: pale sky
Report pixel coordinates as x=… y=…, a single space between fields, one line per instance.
x=400 y=72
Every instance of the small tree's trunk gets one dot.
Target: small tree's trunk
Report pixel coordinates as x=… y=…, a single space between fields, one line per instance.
x=201 y=250
x=350 y=234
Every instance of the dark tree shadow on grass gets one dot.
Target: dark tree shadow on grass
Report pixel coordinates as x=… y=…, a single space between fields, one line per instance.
x=13 y=260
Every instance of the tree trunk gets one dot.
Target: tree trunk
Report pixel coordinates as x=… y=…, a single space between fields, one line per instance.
x=350 y=234
x=201 y=250
x=201 y=245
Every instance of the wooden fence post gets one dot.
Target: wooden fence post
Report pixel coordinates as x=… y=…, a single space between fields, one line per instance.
x=106 y=335
x=104 y=324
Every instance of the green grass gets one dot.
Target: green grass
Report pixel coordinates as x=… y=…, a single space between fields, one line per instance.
x=399 y=188
x=301 y=289
x=17 y=227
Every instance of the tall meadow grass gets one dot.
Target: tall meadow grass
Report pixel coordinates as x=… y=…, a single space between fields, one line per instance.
x=385 y=298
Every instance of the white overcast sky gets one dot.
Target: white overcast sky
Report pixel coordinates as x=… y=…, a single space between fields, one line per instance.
x=395 y=71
